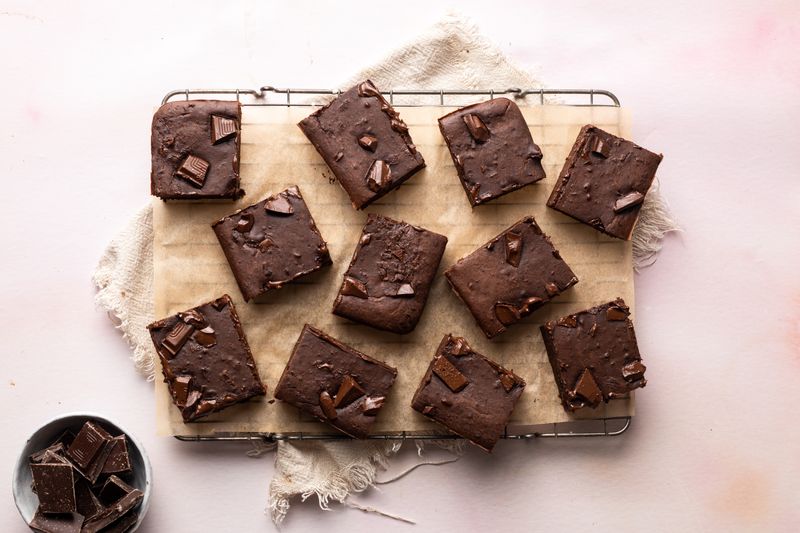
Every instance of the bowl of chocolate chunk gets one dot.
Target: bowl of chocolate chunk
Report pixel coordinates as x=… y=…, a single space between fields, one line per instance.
x=81 y=472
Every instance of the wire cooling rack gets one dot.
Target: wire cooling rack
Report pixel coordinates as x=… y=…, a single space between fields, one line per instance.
x=273 y=96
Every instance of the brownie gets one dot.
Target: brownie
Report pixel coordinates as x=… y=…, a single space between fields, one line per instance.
x=364 y=142
x=594 y=355
x=468 y=393
x=510 y=276
x=195 y=150
x=335 y=383
x=271 y=243
x=492 y=149
x=389 y=278
x=604 y=181
x=205 y=359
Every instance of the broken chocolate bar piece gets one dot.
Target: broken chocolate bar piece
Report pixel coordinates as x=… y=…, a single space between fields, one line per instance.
x=113 y=513
x=195 y=150
x=213 y=369
x=390 y=275
x=54 y=484
x=272 y=243
x=364 y=142
x=594 y=355
x=335 y=383
x=56 y=523
x=492 y=149
x=113 y=490
x=510 y=276
x=87 y=444
x=86 y=501
x=473 y=396
x=604 y=181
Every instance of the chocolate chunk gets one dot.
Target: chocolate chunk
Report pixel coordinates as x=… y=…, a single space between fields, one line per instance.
x=372 y=404
x=265 y=245
x=194 y=170
x=367 y=88
x=318 y=363
x=349 y=391
x=477 y=129
x=57 y=523
x=110 y=515
x=222 y=129
x=586 y=388
x=353 y=287
x=85 y=501
x=326 y=404
x=379 y=175
x=206 y=337
x=244 y=224
x=114 y=489
x=405 y=290
x=530 y=304
x=365 y=238
x=194 y=318
x=205 y=377
x=87 y=444
x=633 y=371
x=506 y=313
x=617 y=313
x=177 y=337
x=606 y=165
x=118 y=461
x=55 y=487
x=368 y=142
x=507 y=381
x=569 y=321
x=629 y=200
x=278 y=205
x=598 y=147
x=481 y=411
x=447 y=372
x=187 y=128
x=551 y=288
x=180 y=388
x=513 y=248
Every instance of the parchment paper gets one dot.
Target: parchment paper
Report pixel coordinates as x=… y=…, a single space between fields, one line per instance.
x=191 y=269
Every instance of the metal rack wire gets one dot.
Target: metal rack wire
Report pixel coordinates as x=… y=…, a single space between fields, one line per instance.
x=272 y=96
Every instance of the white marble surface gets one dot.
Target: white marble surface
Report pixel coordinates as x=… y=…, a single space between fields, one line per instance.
x=713 y=85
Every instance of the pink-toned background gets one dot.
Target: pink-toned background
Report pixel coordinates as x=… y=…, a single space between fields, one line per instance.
x=714 y=86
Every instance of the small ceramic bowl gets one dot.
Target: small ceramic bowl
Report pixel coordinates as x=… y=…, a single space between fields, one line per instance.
x=27 y=501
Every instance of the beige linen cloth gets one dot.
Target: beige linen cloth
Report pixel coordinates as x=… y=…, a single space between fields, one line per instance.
x=451 y=54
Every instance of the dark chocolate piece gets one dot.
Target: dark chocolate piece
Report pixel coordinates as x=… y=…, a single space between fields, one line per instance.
x=55 y=486
x=204 y=377
x=113 y=490
x=86 y=502
x=389 y=278
x=335 y=383
x=113 y=513
x=195 y=150
x=594 y=355
x=604 y=181
x=364 y=142
x=479 y=405
x=281 y=243
x=492 y=149
x=509 y=277
x=58 y=523
x=87 y=444
x=123 y=524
